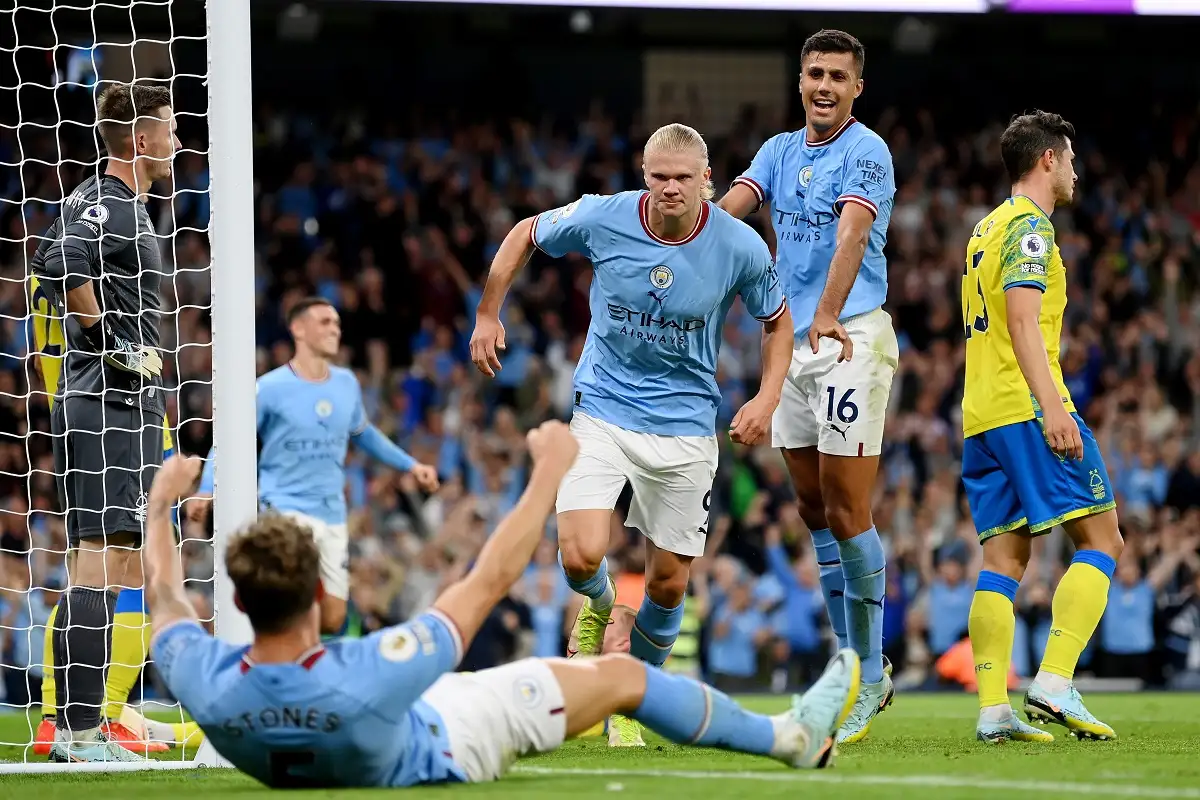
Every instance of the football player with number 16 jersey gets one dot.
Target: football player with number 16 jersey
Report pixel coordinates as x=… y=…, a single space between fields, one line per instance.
x=830 y=189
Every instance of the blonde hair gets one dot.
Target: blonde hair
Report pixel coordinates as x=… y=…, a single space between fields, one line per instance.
x=677 y=137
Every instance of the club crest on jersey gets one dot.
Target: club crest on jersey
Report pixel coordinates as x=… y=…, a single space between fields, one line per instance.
x=661 y=277
x=564 y=212
x=1033 y=245
x=528 y=692
x=324 y=408
x=97 y=214
x=397 y=645
x=805 y=176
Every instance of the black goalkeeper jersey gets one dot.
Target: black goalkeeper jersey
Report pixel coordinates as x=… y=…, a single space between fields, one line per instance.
x=104 y=235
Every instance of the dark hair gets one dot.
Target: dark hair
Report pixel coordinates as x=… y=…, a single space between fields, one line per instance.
x=1028 y=136
x=120 y=106
x=274 y=565
x=828 y=40
x=304 y=305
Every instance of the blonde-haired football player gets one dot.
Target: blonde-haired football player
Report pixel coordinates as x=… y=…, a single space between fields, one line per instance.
x=668 y=265
x=1029 y=461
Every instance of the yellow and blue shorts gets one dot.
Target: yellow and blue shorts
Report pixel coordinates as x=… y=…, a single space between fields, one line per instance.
x=1013 y=480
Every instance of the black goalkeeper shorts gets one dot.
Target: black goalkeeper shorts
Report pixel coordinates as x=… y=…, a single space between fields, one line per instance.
x=105 y=456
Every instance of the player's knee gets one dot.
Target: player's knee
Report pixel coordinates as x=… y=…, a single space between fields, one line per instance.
x=668 y=589
x=846 y=519
x=1097 y=532
x=812 y=508
x=847 y=511
x=1009 y=564
x=578 y=560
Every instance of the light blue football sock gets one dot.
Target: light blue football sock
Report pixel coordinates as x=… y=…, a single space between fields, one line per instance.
x=863 y=565
x=655 y=631
x=833 y=582
x=689 y=712
x=595 y=588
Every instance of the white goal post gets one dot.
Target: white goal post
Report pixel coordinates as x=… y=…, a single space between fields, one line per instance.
x=74 y=65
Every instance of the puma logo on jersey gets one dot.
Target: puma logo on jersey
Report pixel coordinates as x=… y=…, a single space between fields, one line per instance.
x=840 y=431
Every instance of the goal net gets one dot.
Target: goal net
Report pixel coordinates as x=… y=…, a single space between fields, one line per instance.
x=58 y=56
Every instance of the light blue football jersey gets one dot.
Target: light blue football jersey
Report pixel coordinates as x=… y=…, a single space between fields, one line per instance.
x=658 y=308
x=806 y=186
x=304 y=429
x=348 y=713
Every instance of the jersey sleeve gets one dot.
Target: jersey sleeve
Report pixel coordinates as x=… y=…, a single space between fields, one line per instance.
x=759 y=178
x=867 y=176
x=262 y=403
x=185 y=656
x=97 y=233
x=399 y=663
x=761 y=289
x=358 y=416
x=1025 y=253
x=567 y=229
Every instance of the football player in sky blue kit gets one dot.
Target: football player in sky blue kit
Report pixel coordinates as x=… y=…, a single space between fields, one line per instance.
x=667 y=266
x=386 y=710
x=830 y=188
x=308 y=412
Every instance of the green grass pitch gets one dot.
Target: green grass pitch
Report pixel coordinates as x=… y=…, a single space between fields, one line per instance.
x=922 y=747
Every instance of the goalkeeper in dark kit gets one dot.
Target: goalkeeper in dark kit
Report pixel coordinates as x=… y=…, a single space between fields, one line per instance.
x=100 y=263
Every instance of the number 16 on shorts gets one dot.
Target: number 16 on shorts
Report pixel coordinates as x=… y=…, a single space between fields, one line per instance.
x=840 y=407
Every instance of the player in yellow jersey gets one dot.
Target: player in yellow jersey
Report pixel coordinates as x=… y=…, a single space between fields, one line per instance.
x=1029 y=461
x=131 y=623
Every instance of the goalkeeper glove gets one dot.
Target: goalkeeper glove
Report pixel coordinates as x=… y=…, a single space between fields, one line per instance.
x=121 y=353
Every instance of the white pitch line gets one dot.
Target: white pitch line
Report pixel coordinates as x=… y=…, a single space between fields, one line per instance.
x=941 y=781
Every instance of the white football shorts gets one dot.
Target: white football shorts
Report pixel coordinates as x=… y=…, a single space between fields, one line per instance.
x=671 y=477
x=495 y=716
x=840 y=408
x=333 y=542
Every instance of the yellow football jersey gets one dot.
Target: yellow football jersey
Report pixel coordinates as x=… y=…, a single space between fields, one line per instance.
x=1012 y=246
x=50 y=341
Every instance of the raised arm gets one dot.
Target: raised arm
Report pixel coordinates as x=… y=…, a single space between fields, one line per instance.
x=508 y=552
x=165 y=597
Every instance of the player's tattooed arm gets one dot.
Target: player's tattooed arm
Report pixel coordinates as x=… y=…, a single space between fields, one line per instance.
x=165 y=595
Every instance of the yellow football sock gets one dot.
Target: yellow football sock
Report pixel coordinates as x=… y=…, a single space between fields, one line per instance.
x=991 y=625
x=1079 y=603
x=49 y=699
x=130 y=643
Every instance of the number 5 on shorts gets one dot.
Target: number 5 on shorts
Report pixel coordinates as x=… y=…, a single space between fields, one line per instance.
x=847 y=411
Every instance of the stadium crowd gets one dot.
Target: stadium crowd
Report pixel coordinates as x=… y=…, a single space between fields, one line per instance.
x=396 y=225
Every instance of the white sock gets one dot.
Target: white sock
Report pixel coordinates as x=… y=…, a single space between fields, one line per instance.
x=1049 y=682
x=79 y=737
x=159 y=731
x=998 y=713
x=606 y=601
